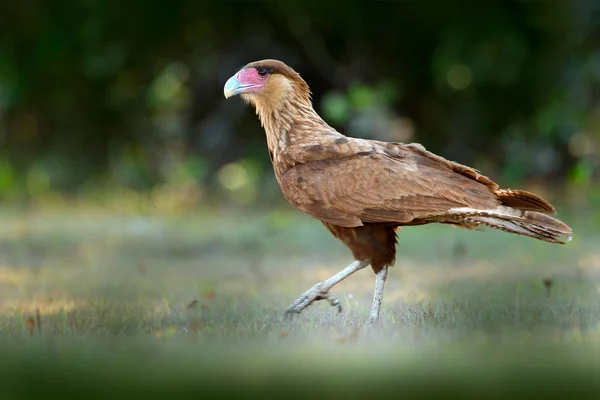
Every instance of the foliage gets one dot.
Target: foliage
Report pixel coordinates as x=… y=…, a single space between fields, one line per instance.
x=123 y=94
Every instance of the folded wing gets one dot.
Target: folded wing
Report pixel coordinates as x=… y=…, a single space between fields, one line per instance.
x=390 y=185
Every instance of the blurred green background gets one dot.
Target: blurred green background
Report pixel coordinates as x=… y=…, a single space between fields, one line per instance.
x=146 y=250
x=107 y=95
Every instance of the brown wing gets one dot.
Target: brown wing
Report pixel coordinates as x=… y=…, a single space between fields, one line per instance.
x=382 y=185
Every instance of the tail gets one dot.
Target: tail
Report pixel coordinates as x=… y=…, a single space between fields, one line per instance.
x=522 y=213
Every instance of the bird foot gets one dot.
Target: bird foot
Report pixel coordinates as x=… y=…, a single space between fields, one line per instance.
x=313 y=294
x=372 y=321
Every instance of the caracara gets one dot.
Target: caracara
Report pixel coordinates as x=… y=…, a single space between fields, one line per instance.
x=364 y=191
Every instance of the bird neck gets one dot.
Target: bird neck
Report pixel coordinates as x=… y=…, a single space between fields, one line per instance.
x=286 y=124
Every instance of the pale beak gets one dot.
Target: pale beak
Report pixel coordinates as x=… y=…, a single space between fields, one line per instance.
x=232 y=87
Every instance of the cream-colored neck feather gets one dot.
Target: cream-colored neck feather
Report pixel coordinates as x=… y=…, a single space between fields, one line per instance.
x=286 y=113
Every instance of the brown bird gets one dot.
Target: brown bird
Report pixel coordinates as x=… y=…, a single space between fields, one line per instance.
x=364 y=191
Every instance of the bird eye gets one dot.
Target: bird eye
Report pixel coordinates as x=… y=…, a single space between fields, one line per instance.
x=262 y=72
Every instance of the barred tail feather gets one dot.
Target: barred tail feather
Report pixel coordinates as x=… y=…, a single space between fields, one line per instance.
x=522 y=200
x=527 y=223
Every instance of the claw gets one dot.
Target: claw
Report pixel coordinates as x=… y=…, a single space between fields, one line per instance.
x=310 y=296
x=320 y=291
x=335 y=302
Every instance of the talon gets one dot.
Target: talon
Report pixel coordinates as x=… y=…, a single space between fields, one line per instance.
x=291 y=310
x=335 y=302
x=314 y=294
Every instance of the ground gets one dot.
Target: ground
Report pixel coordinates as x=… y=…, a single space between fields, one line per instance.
x=93 y=302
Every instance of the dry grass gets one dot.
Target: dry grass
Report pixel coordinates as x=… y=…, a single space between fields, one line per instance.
x=116 y=299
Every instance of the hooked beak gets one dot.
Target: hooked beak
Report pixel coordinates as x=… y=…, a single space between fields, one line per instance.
x=233 y=87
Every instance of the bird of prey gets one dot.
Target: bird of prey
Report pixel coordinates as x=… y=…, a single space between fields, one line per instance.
x=364 y=191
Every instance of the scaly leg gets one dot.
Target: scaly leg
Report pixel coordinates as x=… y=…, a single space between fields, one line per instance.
x=378 y=296
x=320 y=291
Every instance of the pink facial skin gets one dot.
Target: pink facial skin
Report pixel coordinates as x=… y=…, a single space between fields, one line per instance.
x=250 y=80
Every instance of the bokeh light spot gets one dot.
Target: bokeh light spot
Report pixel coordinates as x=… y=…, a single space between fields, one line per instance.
x=459 y=76
x=233 y=176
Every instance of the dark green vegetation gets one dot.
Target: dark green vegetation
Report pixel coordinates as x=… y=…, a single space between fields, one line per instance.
x=129 y=94
x=192 y=304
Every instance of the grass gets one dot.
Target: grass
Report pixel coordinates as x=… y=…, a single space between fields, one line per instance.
x=94 y=304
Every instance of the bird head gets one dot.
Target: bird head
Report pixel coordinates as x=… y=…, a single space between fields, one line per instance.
x=266 y=84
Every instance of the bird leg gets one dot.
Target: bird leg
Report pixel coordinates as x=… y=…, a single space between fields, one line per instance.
x=378 y=296
x=320 y=291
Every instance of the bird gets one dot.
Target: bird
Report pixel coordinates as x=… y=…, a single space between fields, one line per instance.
x=364 y=191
